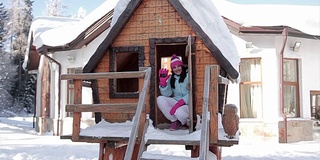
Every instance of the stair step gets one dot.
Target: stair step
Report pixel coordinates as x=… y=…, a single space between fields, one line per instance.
x=178 y=137
x=176 y=142
x=172 y=152
x=151 y=156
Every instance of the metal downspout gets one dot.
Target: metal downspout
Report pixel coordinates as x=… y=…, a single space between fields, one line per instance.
x=59 y=88
x=285 y=37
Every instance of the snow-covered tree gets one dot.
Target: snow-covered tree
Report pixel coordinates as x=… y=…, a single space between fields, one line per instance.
x=20 y=17
x=55 y=8
x=81 y=13
x=3 y=21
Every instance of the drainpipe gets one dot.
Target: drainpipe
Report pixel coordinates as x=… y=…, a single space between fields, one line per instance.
x=59 y=88
x=285 y=36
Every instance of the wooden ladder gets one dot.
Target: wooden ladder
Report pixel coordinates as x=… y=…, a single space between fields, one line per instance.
x=209 y=127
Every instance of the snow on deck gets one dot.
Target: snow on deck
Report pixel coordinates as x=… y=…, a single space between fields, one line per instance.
x=107 y=129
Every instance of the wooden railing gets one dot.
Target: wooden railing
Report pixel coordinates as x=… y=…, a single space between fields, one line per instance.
x=138 y=118
x=139 y=108
x=209 y=125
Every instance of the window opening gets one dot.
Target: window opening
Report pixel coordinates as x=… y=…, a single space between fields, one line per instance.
x=250 y=88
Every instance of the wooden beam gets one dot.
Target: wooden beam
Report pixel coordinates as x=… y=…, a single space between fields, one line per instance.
x=103 y=75
x=112 y=107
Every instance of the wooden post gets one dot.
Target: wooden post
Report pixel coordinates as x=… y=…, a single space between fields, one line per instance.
x=77 y=115
x=213 y=109
x=214 y=104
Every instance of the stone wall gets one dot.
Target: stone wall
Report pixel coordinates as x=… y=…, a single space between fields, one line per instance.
x=297 y=130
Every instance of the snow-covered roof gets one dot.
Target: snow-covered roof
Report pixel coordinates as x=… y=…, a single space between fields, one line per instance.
x=209 y=19
x=57 y=31
x=305 y=18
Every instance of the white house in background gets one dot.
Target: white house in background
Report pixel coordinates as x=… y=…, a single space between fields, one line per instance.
x=59 y=46
x=279 y=46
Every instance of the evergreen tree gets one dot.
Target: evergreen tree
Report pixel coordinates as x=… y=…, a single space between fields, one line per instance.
x=19 y=24
x=28 y=85
x=7 y=73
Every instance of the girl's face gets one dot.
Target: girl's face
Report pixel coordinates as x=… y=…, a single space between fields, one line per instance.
x=177 y=69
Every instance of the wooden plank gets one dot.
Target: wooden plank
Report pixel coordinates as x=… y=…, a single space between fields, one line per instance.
x=101 y=150
x=214 y=103
x=190 y=85
x=77 y=115
x=204 y=143
x=142 y=120
x=227 y=143
x=143 y=146
x=103 y=75
x=109 y=107
x=93 y=139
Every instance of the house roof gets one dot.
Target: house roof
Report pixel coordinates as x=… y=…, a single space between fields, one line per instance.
x=201 y=16
x=303 y=18
x=46 y=32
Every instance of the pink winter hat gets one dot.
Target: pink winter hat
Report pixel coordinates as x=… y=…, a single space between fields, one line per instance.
x=175 y=60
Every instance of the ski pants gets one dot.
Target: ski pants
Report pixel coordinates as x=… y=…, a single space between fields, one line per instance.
x=166 y=103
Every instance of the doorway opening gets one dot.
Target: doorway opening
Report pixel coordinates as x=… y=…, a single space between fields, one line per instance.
x=164 y=53
x=163 y=49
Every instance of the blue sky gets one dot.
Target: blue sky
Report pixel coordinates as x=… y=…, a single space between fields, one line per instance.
x=89 y=5
x=72 y=5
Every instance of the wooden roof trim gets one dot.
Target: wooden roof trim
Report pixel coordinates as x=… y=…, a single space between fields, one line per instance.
x=114 y=32
x=93 y=31
x=87 y=38
x=225 y=64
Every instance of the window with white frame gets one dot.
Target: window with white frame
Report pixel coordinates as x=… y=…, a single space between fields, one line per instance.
x=250 y=88
x=291 y=88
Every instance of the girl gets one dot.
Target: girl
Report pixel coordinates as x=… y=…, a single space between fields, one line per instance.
x=174 y=90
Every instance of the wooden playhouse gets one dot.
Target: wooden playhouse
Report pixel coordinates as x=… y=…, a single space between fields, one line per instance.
x=123 y=76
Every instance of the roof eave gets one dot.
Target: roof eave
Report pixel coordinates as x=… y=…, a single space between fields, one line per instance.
x=236 y=29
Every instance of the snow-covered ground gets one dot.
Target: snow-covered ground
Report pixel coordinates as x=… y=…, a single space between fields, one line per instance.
x=18 y=141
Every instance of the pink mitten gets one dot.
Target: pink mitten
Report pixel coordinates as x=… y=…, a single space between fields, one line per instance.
x=176 y=106
x=163 y=76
